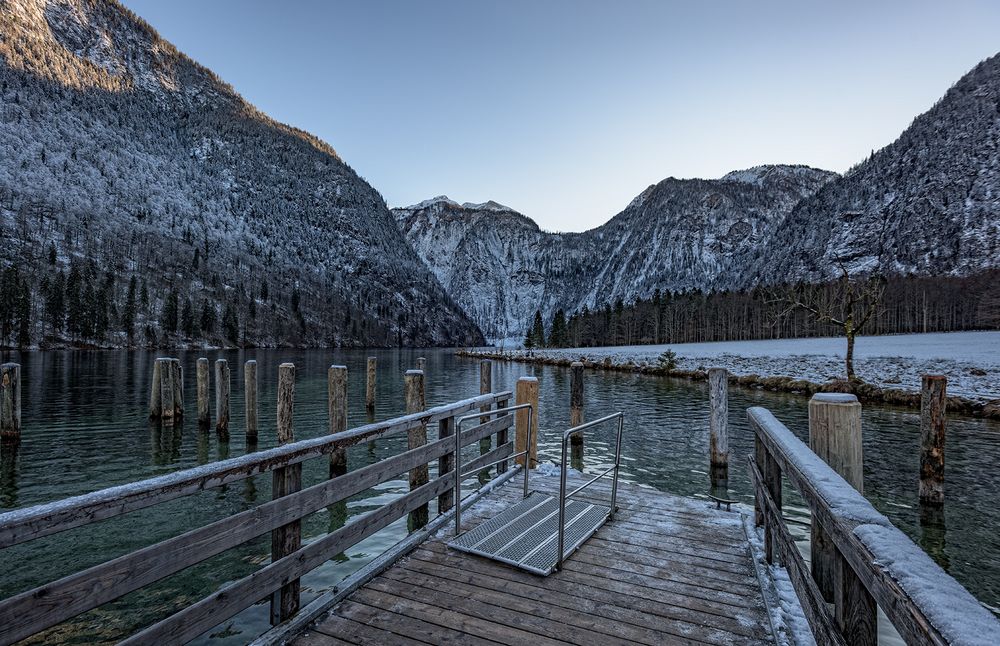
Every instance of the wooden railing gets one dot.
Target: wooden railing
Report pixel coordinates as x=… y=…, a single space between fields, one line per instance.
x=35 y=610
x=876 y=564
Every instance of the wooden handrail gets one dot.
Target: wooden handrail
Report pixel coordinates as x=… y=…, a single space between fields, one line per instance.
x=35 y=610
x=924 y=603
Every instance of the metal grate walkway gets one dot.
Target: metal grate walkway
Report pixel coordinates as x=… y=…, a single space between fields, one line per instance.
x=525 y=535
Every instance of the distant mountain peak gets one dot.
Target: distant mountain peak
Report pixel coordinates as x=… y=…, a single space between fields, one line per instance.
x=445 y=201
x=760 y=174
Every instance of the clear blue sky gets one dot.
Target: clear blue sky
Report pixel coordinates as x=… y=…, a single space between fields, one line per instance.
x=567 y=110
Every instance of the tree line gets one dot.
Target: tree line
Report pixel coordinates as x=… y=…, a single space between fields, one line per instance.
x=908 y=304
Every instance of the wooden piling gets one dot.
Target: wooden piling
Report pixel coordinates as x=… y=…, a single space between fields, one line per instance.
x=204 y=414
x=370 y=384
x=10 y=404
x=413 y=385
x=250 y=397
x=718 y=426
x=155 y=400
x=286 y=480
x=526 y=392
x=177 y=381
x=576 y=400
x=336 y=384
x=933 y=402
x=166 y=390
x=222 y=387
x=835 y=436
x=485 y=387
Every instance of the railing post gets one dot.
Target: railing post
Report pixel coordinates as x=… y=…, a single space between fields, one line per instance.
x=286 y=480
x=933 y=401
x=250 y=397
x=10 y=404
x=718 y=427
x=204 y=415
x=370 y=384
x=336 y=382
x=485 y=387
x=526 y=393
x=446 y=428
x=835 y=436
x=222 y=387
x=576 y=408
x=501 y=440
x=760 y=457
x=413 y=383
x=772 y=480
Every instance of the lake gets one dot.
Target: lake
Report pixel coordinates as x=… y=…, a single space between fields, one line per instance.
x=85 y=428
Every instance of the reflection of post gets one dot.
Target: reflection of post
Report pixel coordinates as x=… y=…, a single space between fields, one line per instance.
x=718 y=427
x=932 y=534
x=933 y=400
x=8 y=476
x=202 y=448
x=413 y=383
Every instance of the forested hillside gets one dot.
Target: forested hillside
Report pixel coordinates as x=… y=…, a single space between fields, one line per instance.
x=144 y=202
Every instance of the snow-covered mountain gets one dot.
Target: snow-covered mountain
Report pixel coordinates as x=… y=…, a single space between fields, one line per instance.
x=121 y=158
x=676 y=235
x=928 y=203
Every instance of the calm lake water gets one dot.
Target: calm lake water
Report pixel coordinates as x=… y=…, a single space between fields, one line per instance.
x=85 y=428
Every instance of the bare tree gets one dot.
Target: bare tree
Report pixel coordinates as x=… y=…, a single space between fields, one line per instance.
x=849 y=307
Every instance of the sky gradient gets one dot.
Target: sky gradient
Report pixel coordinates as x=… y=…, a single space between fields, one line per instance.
x=565 y=111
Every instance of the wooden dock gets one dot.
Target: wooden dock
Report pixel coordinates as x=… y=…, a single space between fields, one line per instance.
x=666 y=570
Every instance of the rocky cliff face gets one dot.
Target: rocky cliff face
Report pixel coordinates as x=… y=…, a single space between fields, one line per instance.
x=120 y=158
x=677 y=235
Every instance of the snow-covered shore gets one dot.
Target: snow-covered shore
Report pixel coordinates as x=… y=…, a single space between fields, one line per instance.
x=971 y=360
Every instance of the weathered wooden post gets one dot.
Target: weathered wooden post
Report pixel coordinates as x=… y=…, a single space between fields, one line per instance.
x=336 y=387
x=222 y=386
x=526 y=392
x=413 y=385
x=446 y=429
x=485 y=387
x=10 y=404
x=155 y=399
x=204 y=414
x=166 y=389
x=718 y=426
x=933 y=401
x=286 y=480
x=835 y=436
x=370 y=384
x=177 y=381
x=250 y=397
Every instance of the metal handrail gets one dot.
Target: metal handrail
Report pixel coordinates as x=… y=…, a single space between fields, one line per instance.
x=458 y=455
x=562 y=476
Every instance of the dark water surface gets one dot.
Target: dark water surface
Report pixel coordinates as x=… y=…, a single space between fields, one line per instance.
x=85 y=428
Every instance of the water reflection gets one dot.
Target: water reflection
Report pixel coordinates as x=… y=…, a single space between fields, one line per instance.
x=932 y=534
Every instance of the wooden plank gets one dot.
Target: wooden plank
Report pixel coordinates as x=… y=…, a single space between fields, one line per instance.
x=29 y=523
x=362 y=633
x=320 y=639
x=424 y=631
x=234 y=597
x=503 y=451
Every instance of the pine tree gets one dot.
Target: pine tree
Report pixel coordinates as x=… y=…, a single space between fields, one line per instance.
x=207 y=317
x=169 y=315
x=558 y=335
x=55 y=303
x=128 y=316
x=24 y=316
x=231 y=323
x=538 y=331
x=187 y=319
x=76 y=314
x=53 y=256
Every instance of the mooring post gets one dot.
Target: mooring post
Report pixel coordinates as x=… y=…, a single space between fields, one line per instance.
x=933 y=402
x=485 y=387
x=155 y=400
x=576 y=403
x=177 y=381
x=204 y=414
x=222 y=386
x=718 y=426
x=336 y=386
x=166 y=389
x=413 y=385
x=286 y=480
x=250 y=397
x=835 y=436
x=526 y=392
x=10 y=404
x=370 y=384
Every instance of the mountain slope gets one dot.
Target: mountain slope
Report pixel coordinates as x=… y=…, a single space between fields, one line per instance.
x=676 y=235
x=928 y=203
x=123 y=158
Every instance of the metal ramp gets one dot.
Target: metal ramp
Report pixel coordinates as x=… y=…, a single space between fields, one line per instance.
x=538 y=533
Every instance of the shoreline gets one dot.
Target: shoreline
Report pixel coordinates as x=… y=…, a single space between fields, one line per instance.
x=865 y=391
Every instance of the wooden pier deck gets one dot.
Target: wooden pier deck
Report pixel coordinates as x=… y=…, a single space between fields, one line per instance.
x=667 y=570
